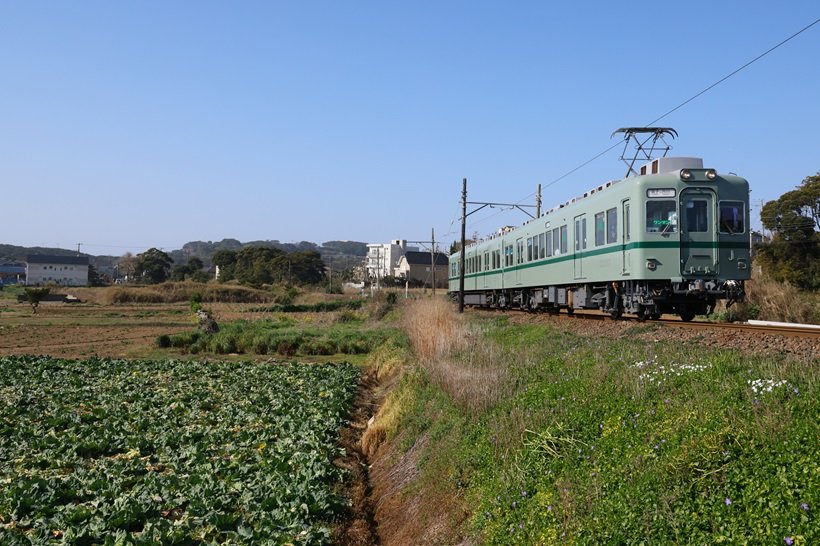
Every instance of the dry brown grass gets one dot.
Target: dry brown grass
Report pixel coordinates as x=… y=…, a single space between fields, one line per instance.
x=434 y=328
x=175 y=292
x=473 y=374
x=782 y=302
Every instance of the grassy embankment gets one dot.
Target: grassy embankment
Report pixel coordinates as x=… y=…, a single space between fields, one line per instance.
x=547 y=437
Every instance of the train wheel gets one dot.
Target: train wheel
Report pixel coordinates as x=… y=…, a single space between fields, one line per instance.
x=641 y=314
x=615 y=314
x=687 y=316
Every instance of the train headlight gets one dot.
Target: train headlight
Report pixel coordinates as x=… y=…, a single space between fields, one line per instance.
x=651 y=265
x=685 y=174
x=711 y=174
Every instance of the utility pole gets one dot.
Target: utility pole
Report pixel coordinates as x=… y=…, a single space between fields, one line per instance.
x=463 y=244
x=464 y=216
x=433 y=257
x=78 y=248
x=330 y=276
x=432 y=243
x=538 y=202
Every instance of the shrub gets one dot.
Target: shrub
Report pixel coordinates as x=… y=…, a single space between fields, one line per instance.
x=260 y=345
x=286 y=347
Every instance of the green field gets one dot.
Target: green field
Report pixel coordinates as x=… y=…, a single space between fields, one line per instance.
x=142 y=452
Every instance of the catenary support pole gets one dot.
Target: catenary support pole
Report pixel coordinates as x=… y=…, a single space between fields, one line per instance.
x=463 y=240
x=433 y=257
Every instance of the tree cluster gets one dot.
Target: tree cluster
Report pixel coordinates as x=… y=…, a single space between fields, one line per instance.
x=192 y=270
x=793 y=255
x=152 y=266
x=257 y=265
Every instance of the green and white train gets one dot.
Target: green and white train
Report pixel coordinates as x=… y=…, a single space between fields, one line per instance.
x=673 y=239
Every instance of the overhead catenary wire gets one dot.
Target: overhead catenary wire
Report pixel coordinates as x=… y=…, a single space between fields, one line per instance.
x=664 y=115
x=690 y=99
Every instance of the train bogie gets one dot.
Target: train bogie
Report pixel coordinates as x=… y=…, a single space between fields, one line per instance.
x=675 y=241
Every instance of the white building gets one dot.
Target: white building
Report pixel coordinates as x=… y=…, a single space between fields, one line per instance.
x=383 y=258
x=62 y=270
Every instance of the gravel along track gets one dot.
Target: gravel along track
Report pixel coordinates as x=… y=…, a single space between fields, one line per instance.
x=731 y=336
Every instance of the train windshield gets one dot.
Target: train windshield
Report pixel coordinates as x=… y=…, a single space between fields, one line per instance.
x=732 y=217
x=661 y=216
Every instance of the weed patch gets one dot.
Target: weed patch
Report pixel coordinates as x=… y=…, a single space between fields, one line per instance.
x=283 y=337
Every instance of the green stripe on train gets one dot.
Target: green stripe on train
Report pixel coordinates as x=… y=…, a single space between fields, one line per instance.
x=613 y=250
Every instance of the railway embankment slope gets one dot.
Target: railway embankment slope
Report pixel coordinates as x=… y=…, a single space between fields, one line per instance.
x=510 y=429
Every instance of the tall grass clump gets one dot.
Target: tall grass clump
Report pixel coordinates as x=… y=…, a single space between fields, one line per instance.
x=781 y=301
x=449 y=348
x=434 y=328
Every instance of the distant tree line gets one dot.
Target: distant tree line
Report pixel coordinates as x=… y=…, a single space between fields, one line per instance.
x=255 y=266
x=793 y=254
x=251 y=266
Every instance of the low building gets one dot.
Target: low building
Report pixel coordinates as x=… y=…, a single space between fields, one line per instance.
x=418 y=266
x=63 y=270
x=12 y=273
x=383 y=258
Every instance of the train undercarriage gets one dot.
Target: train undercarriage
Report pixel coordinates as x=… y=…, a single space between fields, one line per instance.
x=644 y=299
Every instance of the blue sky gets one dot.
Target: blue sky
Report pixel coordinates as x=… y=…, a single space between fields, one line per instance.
x=125 y=125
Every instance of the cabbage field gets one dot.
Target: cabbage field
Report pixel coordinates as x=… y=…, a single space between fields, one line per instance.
x=175 y=452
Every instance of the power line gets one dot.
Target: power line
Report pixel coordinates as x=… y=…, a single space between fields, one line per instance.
x=690 y=99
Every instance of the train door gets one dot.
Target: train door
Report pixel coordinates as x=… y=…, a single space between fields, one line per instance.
x=698 y=242
x=485 y=272
x=626 y=237
x=580 y=245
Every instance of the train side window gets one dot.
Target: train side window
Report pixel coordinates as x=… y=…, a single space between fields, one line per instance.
x=519 y=251
x=661 y=217
x=584 y=232
x=556 y=242
x=599 y=228
x=548 y=236
x=627 y=229
x=732 y=217
x=577 y=235
x=564 y=239
x=697 y=220
x=529 y=249
x=612 y=226
x=541 y=249
x=535 y=247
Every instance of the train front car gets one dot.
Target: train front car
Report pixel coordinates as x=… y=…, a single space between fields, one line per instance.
x=671 y=239
x=693 y=248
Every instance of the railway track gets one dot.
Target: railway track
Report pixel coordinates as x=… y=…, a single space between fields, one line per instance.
x=793 y=330
x=784 y=329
